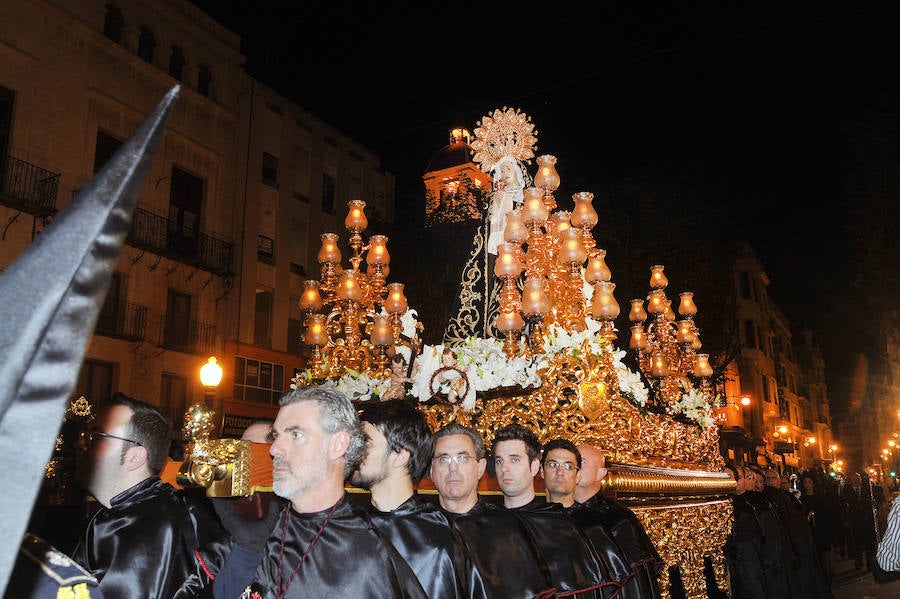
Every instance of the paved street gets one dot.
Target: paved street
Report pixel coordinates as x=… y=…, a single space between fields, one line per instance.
x=858 y=584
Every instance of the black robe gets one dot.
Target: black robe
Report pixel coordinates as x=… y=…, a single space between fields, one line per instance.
x=599 y=518
x=421 y=533
x=149 y=544
x=743 y=552
x=345 y=556
x=573 y=564
x=511 y=566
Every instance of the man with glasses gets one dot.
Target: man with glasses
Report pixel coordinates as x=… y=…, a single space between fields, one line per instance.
x=147 y=539
x=398 y=455
x=573 y=566
x=593 y=512
x=510 y=565
x=561 y=469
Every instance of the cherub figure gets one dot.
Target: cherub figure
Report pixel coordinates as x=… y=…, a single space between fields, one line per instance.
x=398 y=388
x=450 y=377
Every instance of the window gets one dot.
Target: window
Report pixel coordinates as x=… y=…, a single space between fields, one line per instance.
x=204 y=81
x=262 y=322
x=176 y=332
x=113 y=24
x=107 y=145
x=146 y=45
x=298 y=269
x=176 y=63
x=328 y=194
x=185 y=199
x=750 y=334
x=270 y=170
x=112 y=312
x=746 y=292
x=96 y=382
x=265 y=249
x=6 y=107
x=258 y=381
x=173 y=397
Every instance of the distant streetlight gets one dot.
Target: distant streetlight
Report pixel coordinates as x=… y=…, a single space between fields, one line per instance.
x=745 y=400
x=210 y=377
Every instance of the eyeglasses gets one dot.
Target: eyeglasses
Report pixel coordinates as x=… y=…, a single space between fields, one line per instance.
x=460 y=460
x=90 y=436
x=554 y=465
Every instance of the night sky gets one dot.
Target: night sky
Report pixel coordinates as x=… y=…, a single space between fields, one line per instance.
x=754 y=102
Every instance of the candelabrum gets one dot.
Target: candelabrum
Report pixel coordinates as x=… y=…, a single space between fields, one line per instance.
x=352 y=318
x=559 y=257
x=666 y=348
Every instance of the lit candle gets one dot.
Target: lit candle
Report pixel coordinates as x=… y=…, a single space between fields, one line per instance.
x=348 y=287
x=658 y=365
x=604 y=306
x=534 y=299
x=315 y=330
x=560 y=221
x=382 y=332
x=396 y=301
x=356 y=216
x=638 y=338
x=507 y=263
x=701 y=365
x=637 y=313
x=546 y=176
x=584 y=216
x=510 y=321
x=657 y=279
x=329 y=252
x=656 y=302
x=378 y=253
x=685 y=331
x=596 y=269
x=310 y=299
x=687 y=307
x=534 y=211
x=515 y=231
x=571 y=249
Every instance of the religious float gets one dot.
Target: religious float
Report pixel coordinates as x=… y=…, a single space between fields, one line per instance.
x=533 y=342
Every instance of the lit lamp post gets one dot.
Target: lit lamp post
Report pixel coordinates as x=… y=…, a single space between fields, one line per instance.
x=210 y=377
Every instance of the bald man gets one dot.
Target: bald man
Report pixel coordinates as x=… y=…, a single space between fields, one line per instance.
x=597 y=514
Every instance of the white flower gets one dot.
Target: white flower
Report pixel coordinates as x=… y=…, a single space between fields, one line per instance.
x=408 y=323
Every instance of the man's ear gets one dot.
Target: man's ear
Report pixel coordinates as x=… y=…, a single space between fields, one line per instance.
x=338 y=445
x=399 y=459
x=535 y=467
x=135 y=457
x=482 y=466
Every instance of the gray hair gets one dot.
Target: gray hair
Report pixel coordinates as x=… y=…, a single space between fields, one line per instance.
x=455 y=428
x=336 y=414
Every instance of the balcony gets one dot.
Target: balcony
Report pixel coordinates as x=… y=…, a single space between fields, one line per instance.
x=27 y=187
x=162 y=236
x=187 y=336
x=123 y=320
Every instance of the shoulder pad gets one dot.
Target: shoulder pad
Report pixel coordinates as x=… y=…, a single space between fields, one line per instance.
x=54 y=563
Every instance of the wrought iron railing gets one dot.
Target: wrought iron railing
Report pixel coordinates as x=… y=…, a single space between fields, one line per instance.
x=27 y=187
x=187 y=336
x=124 y=320
x=163 y=236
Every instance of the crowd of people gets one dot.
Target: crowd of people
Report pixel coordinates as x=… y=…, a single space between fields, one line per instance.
x=310 y=538
x=788 y=530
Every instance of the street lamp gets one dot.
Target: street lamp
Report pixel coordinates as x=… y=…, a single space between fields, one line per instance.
x=210 y=376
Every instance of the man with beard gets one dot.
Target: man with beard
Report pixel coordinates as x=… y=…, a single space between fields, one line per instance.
x=147 y=539
x=322 y=545
x=574 y=569
x=511 y=566
x=594 y=510
x=398 y=455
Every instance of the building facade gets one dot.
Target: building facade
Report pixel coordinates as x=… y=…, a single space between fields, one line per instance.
x=229 y=217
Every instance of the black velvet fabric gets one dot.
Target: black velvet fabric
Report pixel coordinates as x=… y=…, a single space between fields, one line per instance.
x=600 y=518
x=573 y=565
x=422 y=535
x=743 y=552
x=511 y=566
x=153 y=542
x=347 y=557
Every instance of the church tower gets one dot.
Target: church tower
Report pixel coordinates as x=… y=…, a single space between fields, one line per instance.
x=455 y=187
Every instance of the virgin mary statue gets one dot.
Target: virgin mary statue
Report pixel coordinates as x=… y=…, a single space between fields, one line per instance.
x=504 y=143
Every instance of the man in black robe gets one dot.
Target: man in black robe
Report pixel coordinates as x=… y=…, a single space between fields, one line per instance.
x=593 y=510
x=560 y=467
x=322 y=545
x=398 y=455
x=511 y=566
x=574 y=569
x=147 y=539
